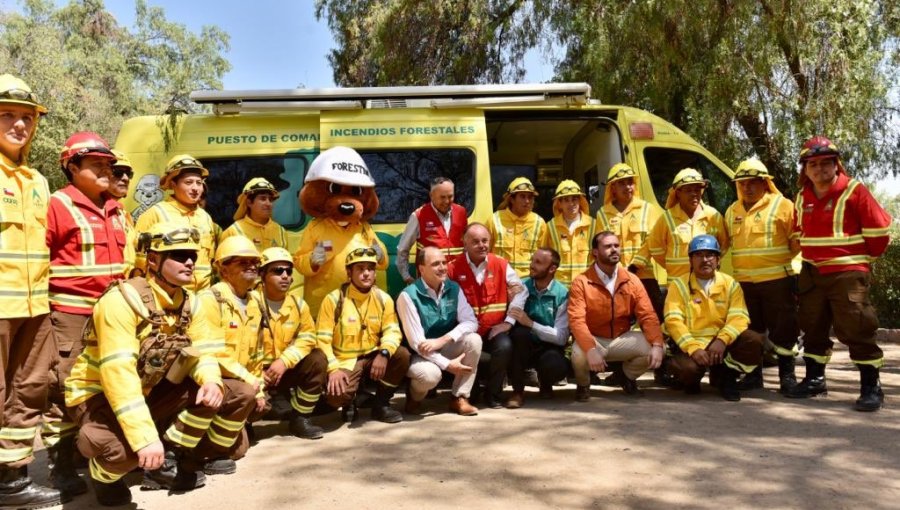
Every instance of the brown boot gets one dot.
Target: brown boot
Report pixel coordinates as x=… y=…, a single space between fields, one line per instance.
x=515 y=400
x=462 y=407
x=412 y=406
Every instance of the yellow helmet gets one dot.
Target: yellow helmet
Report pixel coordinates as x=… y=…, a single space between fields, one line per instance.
x=177 y=165
x=14 y=90
x=121 y=160
x=275 y=254
x=518 y=185
x=620 y=171
x=361 y=254
x=254 y=185
x=568 y=188
x=750 y=169
x=165 y=236
x=683 y=178
x=235 y=246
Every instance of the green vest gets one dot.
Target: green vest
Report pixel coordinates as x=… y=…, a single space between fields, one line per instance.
x=437 y=318
x=542 y=308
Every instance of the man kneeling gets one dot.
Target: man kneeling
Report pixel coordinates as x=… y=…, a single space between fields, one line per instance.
x=129 y=383
x=706 y=315
x=440 y=326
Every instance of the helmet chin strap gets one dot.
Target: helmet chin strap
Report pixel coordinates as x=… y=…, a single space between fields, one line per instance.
x=158 y=273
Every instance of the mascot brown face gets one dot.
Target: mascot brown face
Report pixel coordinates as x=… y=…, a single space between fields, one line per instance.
x=339 y=187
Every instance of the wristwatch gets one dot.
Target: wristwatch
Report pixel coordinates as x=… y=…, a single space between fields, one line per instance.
x=384 y=352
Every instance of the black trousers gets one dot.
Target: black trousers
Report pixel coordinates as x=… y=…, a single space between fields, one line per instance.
x=549 y=360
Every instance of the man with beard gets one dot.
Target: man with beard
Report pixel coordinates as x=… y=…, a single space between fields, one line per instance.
x=570 y=232
x=706 y=316
x=234 y=313
x=492 y=288
x=440 y=327
x=542 y=329
x=604 y=301
x=185 y=177
x=358 y=330
x=439 y=223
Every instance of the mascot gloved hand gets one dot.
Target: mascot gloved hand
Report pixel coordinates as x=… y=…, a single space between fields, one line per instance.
x=339 y=194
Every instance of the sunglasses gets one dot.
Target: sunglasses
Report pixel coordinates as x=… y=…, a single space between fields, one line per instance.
x=280 y=271
x=525 y=186
x=623 y=173
x=182 y=256
x=261 y=186
x=823 y=150
x=118 y=172
x=19 y=95
x=181 y=235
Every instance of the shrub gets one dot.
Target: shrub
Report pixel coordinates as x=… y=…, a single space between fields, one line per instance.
x=885 y=290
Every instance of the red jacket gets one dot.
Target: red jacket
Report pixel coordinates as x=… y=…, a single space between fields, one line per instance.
x=844 y=230
x=594 y=312
x=86 y=249
x=488 y=300
x=432 y=233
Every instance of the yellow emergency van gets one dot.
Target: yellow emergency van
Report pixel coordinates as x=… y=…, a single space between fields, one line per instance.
x=480 y=136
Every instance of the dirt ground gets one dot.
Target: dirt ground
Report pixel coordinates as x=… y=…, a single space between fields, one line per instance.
x=664 y=449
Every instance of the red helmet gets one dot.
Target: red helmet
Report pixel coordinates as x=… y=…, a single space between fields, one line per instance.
x=818 y=146
x=84 y=143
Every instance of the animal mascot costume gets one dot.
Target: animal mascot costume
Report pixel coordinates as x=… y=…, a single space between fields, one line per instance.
x=339 y=194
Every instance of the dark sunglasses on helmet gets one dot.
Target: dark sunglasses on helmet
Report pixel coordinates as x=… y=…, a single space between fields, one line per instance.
x=748 y=173
x=525 y=186
x=185 y=163
x=182 y=256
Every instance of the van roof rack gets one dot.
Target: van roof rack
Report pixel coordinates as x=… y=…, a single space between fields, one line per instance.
x=232 y=102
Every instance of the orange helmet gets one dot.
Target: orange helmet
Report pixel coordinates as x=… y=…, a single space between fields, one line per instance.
x=84 y=143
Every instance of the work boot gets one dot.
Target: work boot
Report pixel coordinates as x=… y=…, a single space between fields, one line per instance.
x=301 y=427
x=17 y=491
x=813 y=382
x=176 y=474
x=515 y=400
x=786 y=378
x=752 y=381
x=617 y=375
x=61 y=463
x=728 y=386
x=381 y=408
x=349 y=412
x=111 y=494
x=220 y=466
x=461 y=406
x=871 y=396
x=582 y=393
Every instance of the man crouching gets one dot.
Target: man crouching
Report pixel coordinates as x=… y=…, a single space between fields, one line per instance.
x=128 y=392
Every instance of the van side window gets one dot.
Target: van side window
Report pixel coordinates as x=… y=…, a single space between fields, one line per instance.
x=403 y=179
x=227 y=177
x=663 y=164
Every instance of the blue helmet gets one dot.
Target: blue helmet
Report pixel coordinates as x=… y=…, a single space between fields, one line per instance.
x=704 y=242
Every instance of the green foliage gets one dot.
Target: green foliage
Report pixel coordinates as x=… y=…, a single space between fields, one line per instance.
x=744 y=77
x=93 y=73
x=885 y=289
